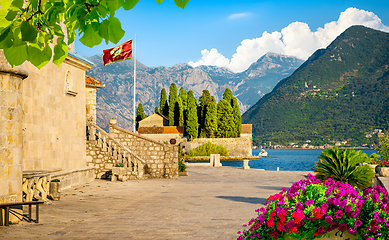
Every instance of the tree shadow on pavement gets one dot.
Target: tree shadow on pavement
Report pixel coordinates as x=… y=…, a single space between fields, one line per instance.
x=253 y=200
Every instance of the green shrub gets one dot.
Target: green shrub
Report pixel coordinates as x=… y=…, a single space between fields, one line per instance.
x=344 y=166
x=181 y=166
x=207 y=149
x=119 y=165
x=383 y=147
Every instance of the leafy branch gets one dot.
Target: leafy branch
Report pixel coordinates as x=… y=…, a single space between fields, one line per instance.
x=28 y=34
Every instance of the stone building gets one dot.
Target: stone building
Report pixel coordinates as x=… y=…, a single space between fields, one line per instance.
x=42 y=125
x=91 y=85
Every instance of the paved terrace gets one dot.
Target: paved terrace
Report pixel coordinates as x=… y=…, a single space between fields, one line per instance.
x=211 y=203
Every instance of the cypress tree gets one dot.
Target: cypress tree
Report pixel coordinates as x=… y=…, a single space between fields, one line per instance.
x=179 y=113
x=204 y=99
x=237 y=117
x=210 y=123
x=140 y=115
x=227 y=95
x=225 y=120
x=184 y=100
x=192 y=119
x=172 y=104
x=163 y=104
x=156 y=110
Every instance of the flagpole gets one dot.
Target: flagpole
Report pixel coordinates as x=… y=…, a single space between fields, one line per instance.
x=133 y=122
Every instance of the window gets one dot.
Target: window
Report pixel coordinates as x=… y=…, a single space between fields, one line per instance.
x=69 y=89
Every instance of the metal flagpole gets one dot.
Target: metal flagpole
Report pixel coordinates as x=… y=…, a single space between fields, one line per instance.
x=133 y=122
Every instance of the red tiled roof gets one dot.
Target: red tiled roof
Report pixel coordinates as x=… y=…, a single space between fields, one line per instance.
x=92 y=81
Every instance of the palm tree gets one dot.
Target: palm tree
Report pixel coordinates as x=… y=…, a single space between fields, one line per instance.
x=344 y=166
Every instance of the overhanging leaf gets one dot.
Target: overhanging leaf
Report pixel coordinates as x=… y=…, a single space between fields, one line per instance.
x=129 y=4
x=113 y=5
x=29 y=33
x=90 y=38
x=60 y=53
x=181 y=3
x=159 y=1
x=37 y=56
x=115 y=31
x=16 y=55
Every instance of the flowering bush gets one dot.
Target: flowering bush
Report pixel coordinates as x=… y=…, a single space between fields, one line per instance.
x=311 y=208
x=381 y=163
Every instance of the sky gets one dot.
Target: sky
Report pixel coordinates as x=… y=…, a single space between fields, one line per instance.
x=234 y=34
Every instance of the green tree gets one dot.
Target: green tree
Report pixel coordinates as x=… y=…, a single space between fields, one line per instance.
x=163 y=104
x=179 y=113
x=227 y=95
x=237 y=117
x=27 y=28
x=192 y=119
x=204 y=99
x=210 y=123
x=140 y=114
x=344 y=166
x=383 y=147
x=156 y=110
x=225 y=120
x=184 y=100
x=172 y=104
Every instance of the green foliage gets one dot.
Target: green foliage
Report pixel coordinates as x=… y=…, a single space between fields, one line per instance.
x=192 y=120
x=181 y=166
x=140 y=114
x=119 y=165
x=179 y=113
x=225 y=120
x=383 y=147
x=344 y=99
x=156 y=110
x=210 y=122
x=184 y=98
x=172 y=104
x=27 y=28
x=237 y=116
x=204 y=99
x=228 y=96
x=344 y=166
x=163 y=104
x=207 y=149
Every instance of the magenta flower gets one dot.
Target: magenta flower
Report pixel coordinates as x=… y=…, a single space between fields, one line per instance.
x=352 y=230
x=339 y=214
x=328 y=219
x=343 y=227
x=309 y=202
x=358 y=223
x=348 y=208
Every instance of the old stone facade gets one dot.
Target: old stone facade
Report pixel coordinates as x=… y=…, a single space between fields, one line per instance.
x=161 y=159
x=42 y=123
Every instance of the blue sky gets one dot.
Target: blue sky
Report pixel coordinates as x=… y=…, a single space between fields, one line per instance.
x=210 y=31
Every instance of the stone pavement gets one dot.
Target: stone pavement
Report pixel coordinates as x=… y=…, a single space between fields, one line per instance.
x=210 y=203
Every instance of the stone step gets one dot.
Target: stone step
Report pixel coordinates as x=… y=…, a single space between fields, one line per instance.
x=385 y=182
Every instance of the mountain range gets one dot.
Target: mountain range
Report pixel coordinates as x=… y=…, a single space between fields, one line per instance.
x=341 y=93
x=116 y=99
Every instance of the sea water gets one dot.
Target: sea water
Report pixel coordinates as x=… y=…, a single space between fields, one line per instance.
x=285 y=159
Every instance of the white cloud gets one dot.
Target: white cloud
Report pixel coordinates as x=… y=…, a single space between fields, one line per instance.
x=238 y=15
x=296 y=39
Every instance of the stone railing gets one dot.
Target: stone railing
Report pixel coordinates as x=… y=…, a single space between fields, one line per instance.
x=104 y=152
x=36 y=185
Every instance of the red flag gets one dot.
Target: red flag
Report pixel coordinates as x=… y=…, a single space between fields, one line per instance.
x=119 y=53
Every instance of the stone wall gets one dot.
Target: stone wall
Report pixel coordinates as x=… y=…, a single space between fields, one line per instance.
x=161 y=159
x=236 y=146
x=11 y=118
x=91 y=103
x=54 y=101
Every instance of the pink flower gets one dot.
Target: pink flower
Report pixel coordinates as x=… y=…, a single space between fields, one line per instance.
x=352 y=230
x=339 y=214
x=328 y=219
x=358 y=223
x=348 y=208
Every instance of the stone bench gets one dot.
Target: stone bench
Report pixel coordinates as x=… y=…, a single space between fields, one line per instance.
x=7 y=206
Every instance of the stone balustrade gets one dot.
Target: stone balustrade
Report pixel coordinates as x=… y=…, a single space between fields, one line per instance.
x=36 y=185
x=104 y=152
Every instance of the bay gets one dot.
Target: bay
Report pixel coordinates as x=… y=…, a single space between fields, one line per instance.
x=285 y=159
